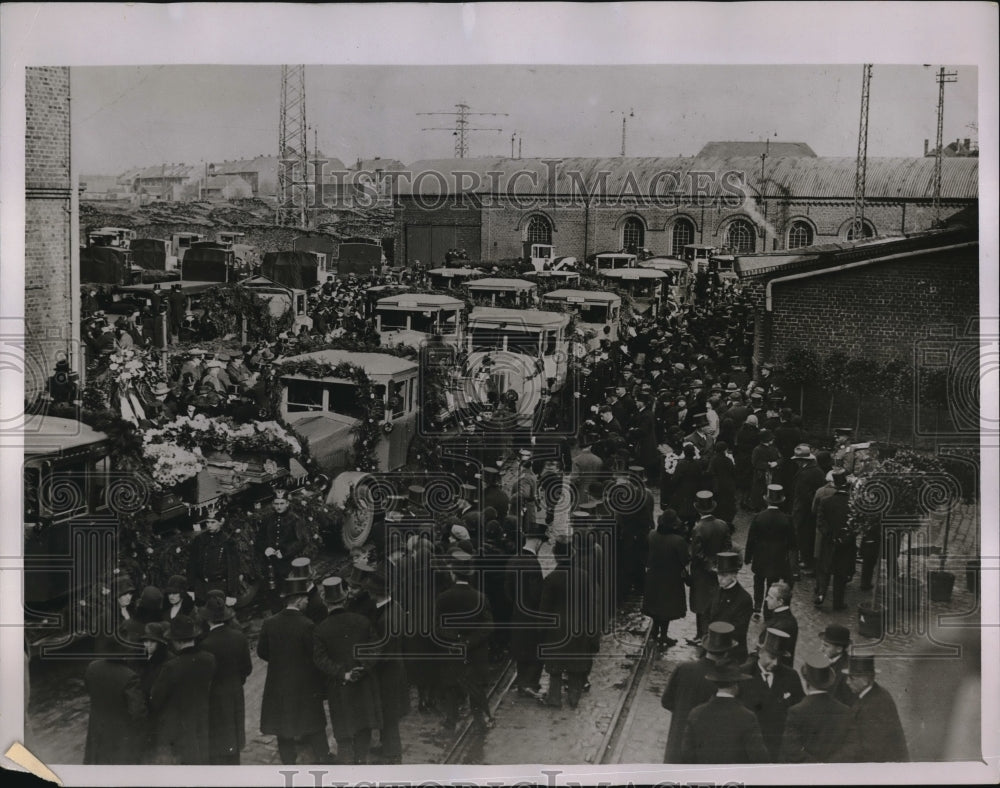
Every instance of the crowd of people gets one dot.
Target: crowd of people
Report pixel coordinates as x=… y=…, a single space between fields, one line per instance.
x=671 y=411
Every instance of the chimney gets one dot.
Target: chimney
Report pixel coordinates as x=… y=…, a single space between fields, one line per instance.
x=968 y=143
x=926 y=141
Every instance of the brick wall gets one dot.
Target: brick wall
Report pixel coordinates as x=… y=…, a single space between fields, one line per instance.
x=49 y=293
x=877 y=311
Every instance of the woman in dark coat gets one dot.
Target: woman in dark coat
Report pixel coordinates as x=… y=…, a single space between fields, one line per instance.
x=117 y=709
x=154 y=638
x=727 y=431
x=665 y=597
x=722 y=467
x=687 y=481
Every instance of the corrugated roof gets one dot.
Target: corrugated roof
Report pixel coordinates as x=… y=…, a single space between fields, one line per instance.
x=169 y=171
x=785 y=176
x=727 y=149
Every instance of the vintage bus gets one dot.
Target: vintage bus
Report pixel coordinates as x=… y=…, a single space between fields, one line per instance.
x=644 y=285
x=497 y=291
x=181 y=242
x=120 y=237
x=410 y=318
x=697 y=256
x=678 y=282
x=452 y=278
x=611 y=261
x=524 y=350
x=325 y=410
x=596 y=311
x=562 y=278
x=280 y=298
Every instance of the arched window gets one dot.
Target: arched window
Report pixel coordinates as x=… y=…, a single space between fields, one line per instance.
x=683 y=234
x=800 y=234
x=539 y=230
x=869 y=231
x=633 y=235
x=741 y=236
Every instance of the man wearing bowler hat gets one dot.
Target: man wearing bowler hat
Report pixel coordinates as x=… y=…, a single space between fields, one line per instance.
x=226 y=705
x=875 y=733
x=709 y=537
x=816 y=726
x=687 y=686
x=723 y=730
x=292 y=704
x=351 y=688
x=771 y=689
x=835 y=641
x=731 y=602
x=770 y=545
x=180 y=697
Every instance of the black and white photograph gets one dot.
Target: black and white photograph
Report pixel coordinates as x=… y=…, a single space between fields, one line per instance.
x=523 y=411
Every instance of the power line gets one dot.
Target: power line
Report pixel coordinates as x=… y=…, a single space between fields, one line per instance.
x=462 y=128
x=943 y=77
x=861 y=166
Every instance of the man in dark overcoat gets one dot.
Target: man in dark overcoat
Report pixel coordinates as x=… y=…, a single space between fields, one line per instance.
x=815 y=727
x=643 y=427
x=722 y=730
x=835 y=641
x=732 y=603
x=283 y=537
x=770 y=545
x=810 y=478
x=663 y=597
x=835 y=546
x=875 y=734
x=632 y=525
x=214 y=563
x=772 y=689
x=569 y=599
x=493 y=494
x=180 y=697
x=117 y=708
x=709 y=538
x=352 y=690
x=387 y=660
x=292 y=705
x=462 y=618
x=226 y=704
x=523 y=589
x=687 y=686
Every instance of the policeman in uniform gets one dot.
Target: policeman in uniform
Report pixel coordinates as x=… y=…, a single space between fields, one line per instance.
x=214 y=563
x=282 y=538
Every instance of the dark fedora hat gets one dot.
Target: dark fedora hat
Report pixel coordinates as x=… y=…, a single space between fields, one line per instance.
x=726 y=672
x=727 y=563
x=836 y=635
x=333 y=591
x=182 y=627
x=216 y=611
x=704 y=501
x=776 y=642
x=818 y=673
x=860 y=665
x=775 y=494
x=668 y=519
x=156 y=631
x=720 y=637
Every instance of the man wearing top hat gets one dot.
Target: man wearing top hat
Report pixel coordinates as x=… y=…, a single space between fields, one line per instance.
x=709 y=537
x=835 y=641
x=772 y=688
x=722 y=730
x=386 y=657
x=292 y=704
x=352 y=691
x=816 y=726
x=875 y=734
x=835 y=546
x=117 y=708
x=180 y=697
x=731 y=602
x=463 y=619
x=702 y=438
x=214 y=563
x=226 y=707
x=688 y=688
x=770 y=545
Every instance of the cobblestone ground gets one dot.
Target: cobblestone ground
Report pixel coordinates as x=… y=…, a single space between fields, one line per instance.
x=918 y=663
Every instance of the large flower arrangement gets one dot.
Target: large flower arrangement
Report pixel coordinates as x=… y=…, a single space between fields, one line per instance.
x=171 y=464
x=219 y=434
x=127 y=370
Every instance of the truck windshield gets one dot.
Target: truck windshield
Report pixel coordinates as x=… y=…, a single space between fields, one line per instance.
x=517 y=341
x=593 y=313
x=392 y=319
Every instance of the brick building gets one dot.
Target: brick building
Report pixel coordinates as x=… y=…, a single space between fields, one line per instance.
x=51 y=216
x=744 y=203
x=874 y=299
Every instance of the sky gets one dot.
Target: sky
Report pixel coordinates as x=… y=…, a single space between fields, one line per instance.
x=141 y=116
